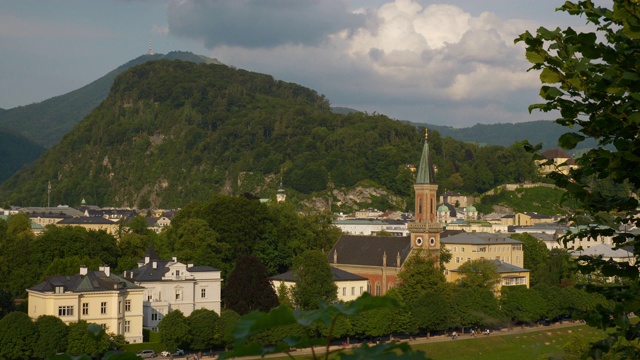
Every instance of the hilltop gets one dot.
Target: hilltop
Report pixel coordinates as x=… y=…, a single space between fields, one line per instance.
x=173 y=132
x=46 y=122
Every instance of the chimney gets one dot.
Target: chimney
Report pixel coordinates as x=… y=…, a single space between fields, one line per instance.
x=174 y=258
x=83 y=270
x=398 y=259
x=106 y=269
x=155 y=265
x=335 y=256
x=189 y=266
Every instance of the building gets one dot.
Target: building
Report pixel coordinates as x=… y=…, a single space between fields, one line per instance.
x=556 y=161
x=465 y=247
x=172 y=285
x=350 y=286
x=372 y=226
x=380 y=259
x=92 y=223
x=98 y=297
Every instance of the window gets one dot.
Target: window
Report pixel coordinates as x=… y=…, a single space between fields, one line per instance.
x=154 y=317
x=104 y=326
x=127 y=305
x=377 y=288
x=66 y=310
x=344 y=291
x=178 y=294
x=119 y=308
x=85 y=308
x=353 y=290
x=462 y=249
x=517 y=259
x=103 y=308
x=457 y=260
x=361 y=288
x=127 y=326
x=203 y=293
x=59 y=289
x=390 y=286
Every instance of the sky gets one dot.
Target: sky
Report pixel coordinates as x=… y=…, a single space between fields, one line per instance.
x=447 y=62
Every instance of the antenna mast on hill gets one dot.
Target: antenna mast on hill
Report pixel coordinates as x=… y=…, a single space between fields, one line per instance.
x=150 y=51
x=49 y=194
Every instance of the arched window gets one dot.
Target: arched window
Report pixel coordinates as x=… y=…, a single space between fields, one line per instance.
x=390 y=286
x=377 y=288
x=369 y=287
x=420 y=206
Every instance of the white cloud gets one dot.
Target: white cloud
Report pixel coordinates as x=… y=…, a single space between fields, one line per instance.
x=16 y=27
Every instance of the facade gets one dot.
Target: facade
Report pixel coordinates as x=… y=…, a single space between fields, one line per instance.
x=172 y=285
x=350 y=286
x=372 y=226
x=556 y=161
x=92 y=223
x=94 y=296
x=510 y=275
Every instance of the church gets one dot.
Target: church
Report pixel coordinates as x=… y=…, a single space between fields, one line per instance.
x=380 y=259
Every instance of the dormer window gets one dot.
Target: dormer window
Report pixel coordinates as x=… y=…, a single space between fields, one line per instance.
x=59 y=289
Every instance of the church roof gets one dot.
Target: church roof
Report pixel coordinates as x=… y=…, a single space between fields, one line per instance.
x=425 y=170
x=337 y=275
x=478 y=238
x=369 y=250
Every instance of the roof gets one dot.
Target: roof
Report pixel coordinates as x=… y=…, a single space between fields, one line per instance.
x=337 y=275
x=92 y=281
x=147 y=272
x=69 y=211
x=556 y=154
x=479 y=238
x=86 y=220
x=369 y=250
x=607 y=252
x=504 y=267
x=425 y=170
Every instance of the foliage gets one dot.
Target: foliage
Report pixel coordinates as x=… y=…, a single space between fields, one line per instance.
x=174 y=330
x=17 y=336
x=522 y=305
x=202 y=326
x=248 y=288
x=284 y=296
x=87 y=339
x=419 y=275
x=479 y=273
x=52 y=336
x=592 y=80
x=536 y=257
x=326 y=315
x=16 y=151
x=540 y=199
x=224 y=328
x=6 y=303
x=314 y=280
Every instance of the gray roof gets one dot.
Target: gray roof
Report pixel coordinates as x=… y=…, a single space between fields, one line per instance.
x=369 y=250
x=338 y=275
x=504 y=267
x=607 y=252
x=69 y=211
x=86 y=220
x=147 y=272
x=479 y=238
x=92 y=281
x=425 y=174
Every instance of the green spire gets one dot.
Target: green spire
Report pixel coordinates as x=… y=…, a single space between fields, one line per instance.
x=425 y=170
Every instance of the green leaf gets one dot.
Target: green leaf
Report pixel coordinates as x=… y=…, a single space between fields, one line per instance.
x=548 y=76
x=550 y=92
x=535 y=57
x=569 y=141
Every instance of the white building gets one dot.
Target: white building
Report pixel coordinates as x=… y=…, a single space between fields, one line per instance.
x=372 y=226
x=350 y=286
x=172 y=285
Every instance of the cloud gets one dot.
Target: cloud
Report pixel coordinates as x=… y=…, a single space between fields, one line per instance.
x=16 y=27
x=259 y=23
x=435 y=63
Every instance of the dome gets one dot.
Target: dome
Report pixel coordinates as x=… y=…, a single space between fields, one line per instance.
x=443 y=208
x=471 y=208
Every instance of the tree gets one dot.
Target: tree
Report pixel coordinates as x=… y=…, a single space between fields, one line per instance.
x=522 y=305
x=202 y=325
x=479 y=273
x=84 y=339
x=52 y=336
x=174 y=330
x=536 y=256
x=592 y=80
x=6 y=303
x=248 y=287
x=17 y=336
x=225 y=326
x=314 y=280
x=419 y=275
x=284 y=295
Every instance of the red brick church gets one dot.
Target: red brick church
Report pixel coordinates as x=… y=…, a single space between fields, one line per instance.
x=380 y=259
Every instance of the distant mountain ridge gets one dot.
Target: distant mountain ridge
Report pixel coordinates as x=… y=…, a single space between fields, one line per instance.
x=15 y=151
x=46 y=122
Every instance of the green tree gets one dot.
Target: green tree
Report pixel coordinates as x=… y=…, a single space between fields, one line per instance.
x=225 y=326
x=248 y=287
x=202 y=325
x=314 y=280
x=6 y=303
x=419 y=275
x=52 y=336
x=522 y=305
x=479 y=273
x=536 y=256
x=592 y=80
x=174 y=330
x=434 y=308
x=84 y=340
x=284 y=296
x=17 y=336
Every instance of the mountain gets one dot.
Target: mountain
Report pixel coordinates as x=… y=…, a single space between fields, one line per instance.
x=172 y=132
x=546 y=132
x=46 y=122
x=15 y=151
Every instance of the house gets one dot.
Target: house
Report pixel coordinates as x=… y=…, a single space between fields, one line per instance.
x=458 y=200
x=372 y=226
x=350 y=286
x=465 y=247
x=173 y=285
x=556 y=161
x=510 y=275
x=98 y=297
x=380 y=259
x=608 y=252
x=91 y=223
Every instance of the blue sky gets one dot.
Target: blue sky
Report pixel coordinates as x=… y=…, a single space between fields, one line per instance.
x=440 y=62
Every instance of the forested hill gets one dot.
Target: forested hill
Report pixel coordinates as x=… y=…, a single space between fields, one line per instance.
x=171 y=132
x=15 y=151
x=46 y=122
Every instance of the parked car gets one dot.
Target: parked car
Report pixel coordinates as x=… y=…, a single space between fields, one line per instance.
x=146 y=354
x=178 y=352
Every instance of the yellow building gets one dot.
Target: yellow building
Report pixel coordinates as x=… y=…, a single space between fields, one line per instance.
x=350 y=286
x=94 y=296
x=556 y=160
x=507 y=252
x=95 y=223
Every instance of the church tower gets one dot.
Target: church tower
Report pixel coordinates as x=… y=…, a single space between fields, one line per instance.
x=425 y=229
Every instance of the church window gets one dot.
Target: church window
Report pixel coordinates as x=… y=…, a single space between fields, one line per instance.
x=377 y=288
x=390 y=286
x=420 y=206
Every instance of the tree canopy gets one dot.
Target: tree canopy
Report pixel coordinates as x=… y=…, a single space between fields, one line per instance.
x=314 y=280
x=248 y=288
